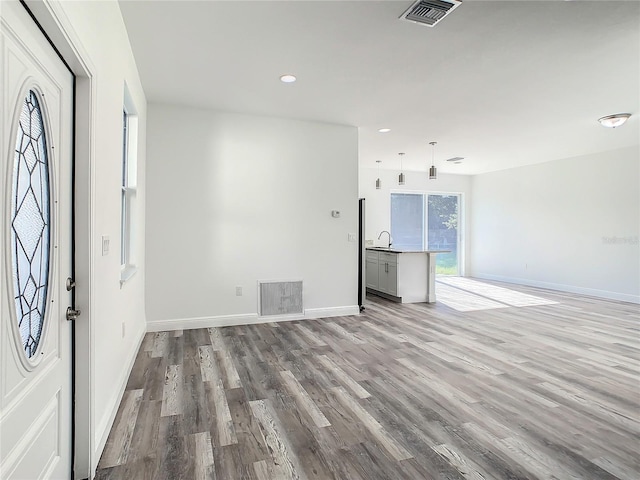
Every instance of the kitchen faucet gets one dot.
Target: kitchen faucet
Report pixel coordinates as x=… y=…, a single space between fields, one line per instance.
x=384 y=231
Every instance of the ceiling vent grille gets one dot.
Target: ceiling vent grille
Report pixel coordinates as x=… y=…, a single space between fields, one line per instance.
x=429 y=12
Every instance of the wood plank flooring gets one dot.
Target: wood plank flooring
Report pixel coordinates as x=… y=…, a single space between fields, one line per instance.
x=546 y=389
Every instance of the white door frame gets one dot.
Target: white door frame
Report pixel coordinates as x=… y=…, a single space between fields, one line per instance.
x=53 y=21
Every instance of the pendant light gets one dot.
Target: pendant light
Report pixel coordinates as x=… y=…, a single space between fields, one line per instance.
x=401 y=176
x=433 y=170
x=378 y=182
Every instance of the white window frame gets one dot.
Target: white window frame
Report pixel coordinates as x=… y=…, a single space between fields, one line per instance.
x=128 y=189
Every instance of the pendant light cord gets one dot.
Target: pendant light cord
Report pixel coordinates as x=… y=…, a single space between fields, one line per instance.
x=433 y=153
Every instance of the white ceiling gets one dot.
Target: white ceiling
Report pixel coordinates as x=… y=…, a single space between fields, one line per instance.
x=500 y=83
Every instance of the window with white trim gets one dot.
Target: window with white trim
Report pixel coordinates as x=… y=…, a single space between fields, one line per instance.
x=128 y=189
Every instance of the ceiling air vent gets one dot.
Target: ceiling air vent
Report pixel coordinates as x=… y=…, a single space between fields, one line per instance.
x=429 y=12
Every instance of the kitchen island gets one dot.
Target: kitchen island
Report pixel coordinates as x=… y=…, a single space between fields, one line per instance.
x=406 y=276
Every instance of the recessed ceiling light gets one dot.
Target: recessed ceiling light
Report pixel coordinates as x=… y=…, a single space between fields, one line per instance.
x=288 y=78
x=384 y=130
x=613 y=121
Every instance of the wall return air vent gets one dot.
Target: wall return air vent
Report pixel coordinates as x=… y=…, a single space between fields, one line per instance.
x=429 y=12
x=280 y=298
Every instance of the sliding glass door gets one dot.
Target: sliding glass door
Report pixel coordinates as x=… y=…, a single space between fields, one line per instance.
x=421 y=221
x=443 y=233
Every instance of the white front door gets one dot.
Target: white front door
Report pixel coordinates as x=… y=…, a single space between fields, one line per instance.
x=35 y=244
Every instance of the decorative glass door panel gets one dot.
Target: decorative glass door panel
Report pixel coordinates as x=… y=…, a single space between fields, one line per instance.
x=30 y=225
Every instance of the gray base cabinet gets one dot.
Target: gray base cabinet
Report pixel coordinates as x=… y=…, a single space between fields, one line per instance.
x=382 y=272
x=371 y=270
x=406 y=276
x=388 y=273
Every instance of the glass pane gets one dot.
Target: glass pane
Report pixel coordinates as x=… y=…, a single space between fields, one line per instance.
x=125 y=124
x=442 y=214
x=407 y=220
x=124 y=230
x=30 y=224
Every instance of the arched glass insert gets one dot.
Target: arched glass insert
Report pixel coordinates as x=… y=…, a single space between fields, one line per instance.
x=30 y=222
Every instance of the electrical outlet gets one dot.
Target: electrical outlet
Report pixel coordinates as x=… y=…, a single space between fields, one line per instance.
x=105 y=245
x=238 y=291
x=352 y=237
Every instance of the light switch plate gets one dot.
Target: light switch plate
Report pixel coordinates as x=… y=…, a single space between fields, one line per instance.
x=105 y=245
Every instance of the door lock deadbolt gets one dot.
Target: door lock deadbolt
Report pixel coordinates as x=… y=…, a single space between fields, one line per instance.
x=72 y=314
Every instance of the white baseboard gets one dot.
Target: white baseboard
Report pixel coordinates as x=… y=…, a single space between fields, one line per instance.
x=103 y=428
x=348 y=310
x=247 y=319
x=623 y=297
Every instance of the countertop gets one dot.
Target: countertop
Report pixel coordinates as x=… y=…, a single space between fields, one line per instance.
x=393 y=249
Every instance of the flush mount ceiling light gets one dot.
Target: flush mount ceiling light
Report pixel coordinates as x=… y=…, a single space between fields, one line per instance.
x=401 y=176
x=288 y=78
x=384 y=130
x=378 y=182
x=613 y=121
x=433 y=170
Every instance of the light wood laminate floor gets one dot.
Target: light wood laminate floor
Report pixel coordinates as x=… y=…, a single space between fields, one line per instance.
x=492 y=382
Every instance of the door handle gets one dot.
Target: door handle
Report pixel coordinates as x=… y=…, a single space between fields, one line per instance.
x=72 y=314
